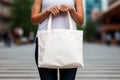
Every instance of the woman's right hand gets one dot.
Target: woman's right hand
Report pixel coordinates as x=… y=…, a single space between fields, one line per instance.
x=54 y=10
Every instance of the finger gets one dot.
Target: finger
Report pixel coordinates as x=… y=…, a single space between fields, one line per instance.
x=66 y=9
x=62 y=9
x=54 y=12
x=56 y=9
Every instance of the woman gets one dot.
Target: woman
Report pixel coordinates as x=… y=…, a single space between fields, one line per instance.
x=58 y=8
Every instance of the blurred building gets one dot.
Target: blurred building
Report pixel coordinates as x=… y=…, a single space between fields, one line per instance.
x=93 y=5
x=105 y=4
x=112 y=1
x=109 y=22
x=95 y=13
x=5 y=8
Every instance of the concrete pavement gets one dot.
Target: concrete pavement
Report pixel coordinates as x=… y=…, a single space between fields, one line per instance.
x=101 y=63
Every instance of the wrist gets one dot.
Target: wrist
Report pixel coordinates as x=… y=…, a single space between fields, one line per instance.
x=47 y=11
x=71 y=9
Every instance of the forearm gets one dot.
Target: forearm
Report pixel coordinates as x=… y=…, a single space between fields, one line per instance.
x=79 y=19
x=40 y=17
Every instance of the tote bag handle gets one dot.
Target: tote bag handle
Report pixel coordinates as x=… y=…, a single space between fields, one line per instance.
x=50 y=22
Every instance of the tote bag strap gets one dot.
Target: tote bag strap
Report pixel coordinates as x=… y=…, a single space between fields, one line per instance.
x=70 y=21
x=50 y=22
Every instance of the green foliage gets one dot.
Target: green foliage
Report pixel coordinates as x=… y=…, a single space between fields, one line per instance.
x=21 y=16
x=80 y=27
x=90 y=30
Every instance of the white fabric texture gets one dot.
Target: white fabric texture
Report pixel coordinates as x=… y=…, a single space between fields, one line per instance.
x=58 y=21
x=60 y=48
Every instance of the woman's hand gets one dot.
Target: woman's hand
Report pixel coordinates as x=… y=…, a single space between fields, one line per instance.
x=54 y=10
x=65 y=8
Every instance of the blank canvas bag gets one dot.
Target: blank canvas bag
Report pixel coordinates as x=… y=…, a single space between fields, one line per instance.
x=60 y=48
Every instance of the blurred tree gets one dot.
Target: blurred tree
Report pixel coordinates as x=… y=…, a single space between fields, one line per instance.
x=80 y=27
x=89 y=30
x=21 y=16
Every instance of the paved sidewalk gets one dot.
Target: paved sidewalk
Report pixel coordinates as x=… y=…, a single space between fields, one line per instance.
x=101 y=63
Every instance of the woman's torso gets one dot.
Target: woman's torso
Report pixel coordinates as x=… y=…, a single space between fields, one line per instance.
x=60 y=21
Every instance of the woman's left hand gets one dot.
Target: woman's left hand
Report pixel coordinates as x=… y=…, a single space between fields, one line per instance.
x=64 y=8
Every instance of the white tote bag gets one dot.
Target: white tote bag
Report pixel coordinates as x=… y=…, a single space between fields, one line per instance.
x=60 y=48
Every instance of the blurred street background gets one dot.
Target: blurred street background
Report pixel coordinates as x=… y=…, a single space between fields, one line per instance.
x=101 y=40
